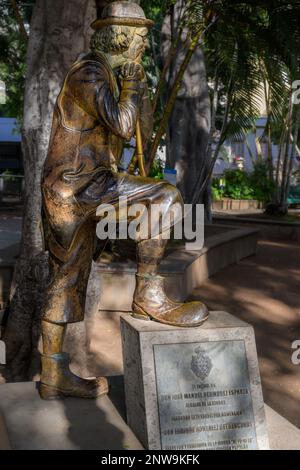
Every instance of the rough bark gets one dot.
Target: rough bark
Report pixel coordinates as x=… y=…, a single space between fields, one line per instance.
x=59 y=32
x=100 y=4
x=189 y=124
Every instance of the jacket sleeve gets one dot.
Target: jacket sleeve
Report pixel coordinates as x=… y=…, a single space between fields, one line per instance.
x=91 y=90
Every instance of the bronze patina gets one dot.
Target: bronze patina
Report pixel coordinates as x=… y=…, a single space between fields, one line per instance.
x=103 y=99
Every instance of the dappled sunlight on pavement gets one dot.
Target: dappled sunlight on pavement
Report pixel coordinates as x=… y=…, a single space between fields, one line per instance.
x=105 y=346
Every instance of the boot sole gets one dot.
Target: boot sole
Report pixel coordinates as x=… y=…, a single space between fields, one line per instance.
x=140 y=314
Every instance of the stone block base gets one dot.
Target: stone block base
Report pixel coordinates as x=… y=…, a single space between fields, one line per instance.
x=193 y=388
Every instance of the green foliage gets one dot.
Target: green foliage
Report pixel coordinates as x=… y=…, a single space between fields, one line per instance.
x=155 y=10
x=238 y=184
x=12 y=59
x=247 y=44
x=297 y=176
x=251 y=42
x=264 y=187
x=157 y=169
x=217 y=189
x=10 y=174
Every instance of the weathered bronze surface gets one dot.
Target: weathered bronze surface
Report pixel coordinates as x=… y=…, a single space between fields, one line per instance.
x=151 y=303
x=58 y=381
x=121 y=13
x=103 y=98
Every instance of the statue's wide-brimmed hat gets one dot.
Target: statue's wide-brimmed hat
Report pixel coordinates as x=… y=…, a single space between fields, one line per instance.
x=123 y=14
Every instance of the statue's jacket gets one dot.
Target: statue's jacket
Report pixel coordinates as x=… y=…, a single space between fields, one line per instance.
x=92 y=119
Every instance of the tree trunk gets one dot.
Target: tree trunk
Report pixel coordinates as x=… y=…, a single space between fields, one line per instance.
x=189 y=125
x=59 y=32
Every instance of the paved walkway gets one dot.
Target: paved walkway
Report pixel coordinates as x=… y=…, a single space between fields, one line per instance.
x=264 y=290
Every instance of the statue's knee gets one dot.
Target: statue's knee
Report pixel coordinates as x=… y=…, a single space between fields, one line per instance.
x=173 y=193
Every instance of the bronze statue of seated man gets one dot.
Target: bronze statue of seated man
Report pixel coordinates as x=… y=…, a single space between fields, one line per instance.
x=96 y=111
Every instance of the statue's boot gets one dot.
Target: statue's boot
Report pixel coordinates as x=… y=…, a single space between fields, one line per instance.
x=151 y=303
x=57 y=380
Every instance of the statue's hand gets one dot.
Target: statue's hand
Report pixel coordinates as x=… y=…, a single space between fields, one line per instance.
x=132 y=70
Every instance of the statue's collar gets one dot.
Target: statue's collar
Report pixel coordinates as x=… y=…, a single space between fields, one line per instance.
x=102 y=58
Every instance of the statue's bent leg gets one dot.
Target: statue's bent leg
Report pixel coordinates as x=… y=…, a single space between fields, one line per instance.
x=150 y=301
x=64 y=303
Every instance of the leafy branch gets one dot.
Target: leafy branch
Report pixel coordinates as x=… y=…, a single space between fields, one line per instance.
x=19 y=19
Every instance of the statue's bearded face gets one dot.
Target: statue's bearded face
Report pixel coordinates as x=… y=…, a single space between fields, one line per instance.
x=121 y=43
x=138 y=44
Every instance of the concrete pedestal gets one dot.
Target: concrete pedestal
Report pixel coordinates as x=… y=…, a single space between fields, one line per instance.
x=193 y=388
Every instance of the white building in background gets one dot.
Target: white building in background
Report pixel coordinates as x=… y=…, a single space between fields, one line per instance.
x=237 y=154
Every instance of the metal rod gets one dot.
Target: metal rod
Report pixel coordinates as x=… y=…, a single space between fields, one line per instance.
x=139 y=149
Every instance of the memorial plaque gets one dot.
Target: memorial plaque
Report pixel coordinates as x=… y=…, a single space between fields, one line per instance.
x=193 y=388
x=204 y=397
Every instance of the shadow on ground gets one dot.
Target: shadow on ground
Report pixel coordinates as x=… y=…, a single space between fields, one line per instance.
x=94 y=424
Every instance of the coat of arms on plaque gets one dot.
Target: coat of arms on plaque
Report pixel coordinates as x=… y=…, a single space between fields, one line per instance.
x=201 y=364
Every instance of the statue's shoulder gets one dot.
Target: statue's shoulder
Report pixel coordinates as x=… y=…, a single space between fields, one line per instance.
x=90 y=67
